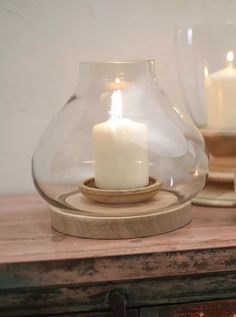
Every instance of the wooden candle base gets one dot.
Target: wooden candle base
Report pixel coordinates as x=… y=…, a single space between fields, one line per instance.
x=219 y=189
x=89 y=219
x=217 y=193
x=119 y=196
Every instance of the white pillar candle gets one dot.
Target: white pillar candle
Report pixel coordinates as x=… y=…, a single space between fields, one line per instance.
x=120 y=145
x=221 y=97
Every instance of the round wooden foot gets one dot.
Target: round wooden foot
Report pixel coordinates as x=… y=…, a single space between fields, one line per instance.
x=89 y=219
x=219 y=189
x=217 y=195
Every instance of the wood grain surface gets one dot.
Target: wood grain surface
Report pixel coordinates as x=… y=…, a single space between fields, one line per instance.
x=217 y=194
x=138 y=293
x=44 y=272
x=122 y=196
x=26 y=234
x=89 y=219
x=220 y=143
x=226 y=308
x=28 y=247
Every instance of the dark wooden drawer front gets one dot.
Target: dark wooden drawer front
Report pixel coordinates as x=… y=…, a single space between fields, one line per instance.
x=226 y=308
x=130 y=313
x=156 y=292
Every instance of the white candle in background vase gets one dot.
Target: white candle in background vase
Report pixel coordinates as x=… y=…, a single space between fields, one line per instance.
x=221 y=96
x=120 y=148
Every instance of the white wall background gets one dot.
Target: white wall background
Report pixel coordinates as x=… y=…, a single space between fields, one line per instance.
x=42 y=41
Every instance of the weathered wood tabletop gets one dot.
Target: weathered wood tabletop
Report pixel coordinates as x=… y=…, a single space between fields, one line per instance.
x=26 y=237
x=43 y=271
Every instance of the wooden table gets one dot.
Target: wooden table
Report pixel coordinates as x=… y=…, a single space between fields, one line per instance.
x=186 y=273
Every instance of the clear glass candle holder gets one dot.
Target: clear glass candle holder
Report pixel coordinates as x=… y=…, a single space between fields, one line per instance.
x=207 y=73
x=206 y=62
x=119 y=130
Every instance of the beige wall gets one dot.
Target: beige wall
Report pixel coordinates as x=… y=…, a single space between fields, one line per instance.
x=42 y=41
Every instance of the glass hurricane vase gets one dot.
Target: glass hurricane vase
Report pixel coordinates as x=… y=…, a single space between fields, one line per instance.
x=207 y=73
x=119 y=129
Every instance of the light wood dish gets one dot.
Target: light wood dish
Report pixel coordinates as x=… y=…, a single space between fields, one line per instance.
x=89 y=219
x=122 y=196
x=219 y=189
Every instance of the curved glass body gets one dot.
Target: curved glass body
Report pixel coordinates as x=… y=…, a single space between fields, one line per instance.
x=120 y=129
x=207 y=72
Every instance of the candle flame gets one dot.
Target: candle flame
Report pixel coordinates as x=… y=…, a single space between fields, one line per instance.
x=116 y=105
x=196 y=173
x=230 y=56
x=206 y=73
x=117 y=80
x=190 y=36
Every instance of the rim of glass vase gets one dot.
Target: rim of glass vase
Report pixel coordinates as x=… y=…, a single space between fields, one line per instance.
x=140 y=61
x=208 y=25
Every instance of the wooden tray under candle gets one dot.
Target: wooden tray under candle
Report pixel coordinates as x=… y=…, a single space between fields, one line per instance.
x=89 y=219
x=119 y=196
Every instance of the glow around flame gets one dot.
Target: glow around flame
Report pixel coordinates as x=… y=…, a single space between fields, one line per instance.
x=116 y=105
x=206 y=73
x=117 y=80
x=230 y=56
